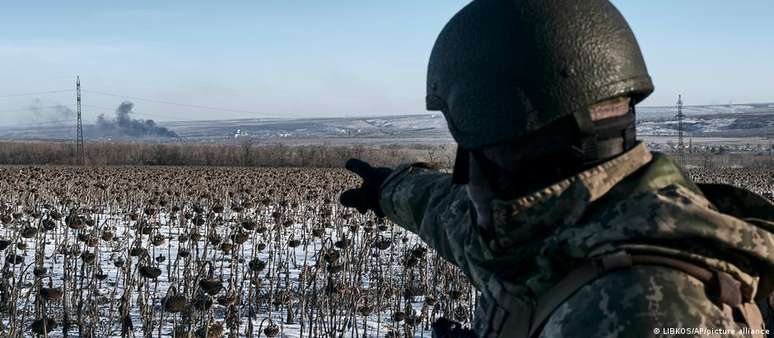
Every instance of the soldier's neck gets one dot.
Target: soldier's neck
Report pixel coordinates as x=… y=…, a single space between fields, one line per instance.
x=532 y=175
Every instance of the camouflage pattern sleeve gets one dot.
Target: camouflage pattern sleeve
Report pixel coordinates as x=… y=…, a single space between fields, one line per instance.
x=425 y=202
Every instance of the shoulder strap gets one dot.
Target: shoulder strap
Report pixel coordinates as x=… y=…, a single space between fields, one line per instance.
x=725 y=289
x=585 y=274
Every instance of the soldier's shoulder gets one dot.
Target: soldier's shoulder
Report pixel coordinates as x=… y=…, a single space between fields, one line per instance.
x=738 y=202
x=633 y=302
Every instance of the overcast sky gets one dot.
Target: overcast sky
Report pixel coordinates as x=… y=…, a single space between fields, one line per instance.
x=292 y=58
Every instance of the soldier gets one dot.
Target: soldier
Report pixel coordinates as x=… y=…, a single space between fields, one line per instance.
x=565 y=223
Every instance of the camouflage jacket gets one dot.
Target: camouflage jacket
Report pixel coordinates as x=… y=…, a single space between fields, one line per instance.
x=639 y=201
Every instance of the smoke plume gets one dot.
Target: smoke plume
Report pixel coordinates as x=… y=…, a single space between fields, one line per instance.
x=122 y=125
x=57 y=114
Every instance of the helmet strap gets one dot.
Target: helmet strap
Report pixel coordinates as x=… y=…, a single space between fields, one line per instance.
x=461 y=173
x=604 y=139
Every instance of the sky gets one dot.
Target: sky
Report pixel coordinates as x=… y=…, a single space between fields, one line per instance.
x=194 y=60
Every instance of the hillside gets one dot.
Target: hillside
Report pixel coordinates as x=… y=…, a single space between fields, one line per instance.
x=748 y=120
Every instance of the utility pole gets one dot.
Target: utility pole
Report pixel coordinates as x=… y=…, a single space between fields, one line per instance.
x=80 y=153
x=680 y=145
x=771 y=150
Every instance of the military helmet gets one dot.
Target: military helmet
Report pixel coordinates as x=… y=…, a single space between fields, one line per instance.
x=503 y=69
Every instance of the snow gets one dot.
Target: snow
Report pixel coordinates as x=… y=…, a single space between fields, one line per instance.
x=112 y=288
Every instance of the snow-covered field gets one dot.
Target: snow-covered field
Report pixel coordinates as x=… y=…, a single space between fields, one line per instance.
x=243 y=250
x=240 y=253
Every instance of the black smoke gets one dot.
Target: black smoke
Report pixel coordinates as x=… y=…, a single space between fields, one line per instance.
x=122 y=125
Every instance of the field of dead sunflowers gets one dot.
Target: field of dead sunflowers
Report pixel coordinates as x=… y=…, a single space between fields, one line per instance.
x=219 y=252
x=209 y=252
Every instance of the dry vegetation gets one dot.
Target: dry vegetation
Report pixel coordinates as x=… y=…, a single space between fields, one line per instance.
x=222 y=251
x=243 y=154
x=209 y=252
x=710 y=161
x=758 y=180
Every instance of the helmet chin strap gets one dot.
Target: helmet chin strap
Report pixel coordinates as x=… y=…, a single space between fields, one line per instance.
x=461 y=172
x=542 y=158
x=481 y=194
x=606 y=138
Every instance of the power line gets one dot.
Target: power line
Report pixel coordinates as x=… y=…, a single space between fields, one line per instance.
x=54 y=121
x=209 y=108
x=156 y=116
x=98 y=107
x=680 y=145
x=35 y=124
x=173 y=103
x=133 y=112
x=80 y=151
x=37 y=93
x=28 y=109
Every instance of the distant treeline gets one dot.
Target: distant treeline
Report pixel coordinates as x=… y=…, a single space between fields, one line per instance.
x=727 y=160
x=281 y=155
x=244 y=154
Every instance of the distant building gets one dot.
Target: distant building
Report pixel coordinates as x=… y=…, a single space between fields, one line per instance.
x=239 y=133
